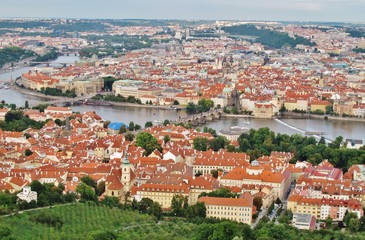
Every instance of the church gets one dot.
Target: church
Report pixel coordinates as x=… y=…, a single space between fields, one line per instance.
x=120 y=181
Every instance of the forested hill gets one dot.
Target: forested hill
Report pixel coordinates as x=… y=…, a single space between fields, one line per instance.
x=267 y=37
x=13 y=54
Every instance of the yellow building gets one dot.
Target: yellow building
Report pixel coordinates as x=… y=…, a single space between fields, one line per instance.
x=160 y=193
x=235 y=209
x=319 y=105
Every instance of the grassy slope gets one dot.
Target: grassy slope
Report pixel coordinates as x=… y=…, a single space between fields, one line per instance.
x=79 y=220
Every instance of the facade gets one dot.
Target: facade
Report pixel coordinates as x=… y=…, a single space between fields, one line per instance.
x=323 y=208
x=304 y=221
x=235 y=209
x=264 y=110
x=160 y=193
x=27 y=195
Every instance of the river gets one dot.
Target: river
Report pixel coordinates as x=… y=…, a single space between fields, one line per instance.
x=332 y=128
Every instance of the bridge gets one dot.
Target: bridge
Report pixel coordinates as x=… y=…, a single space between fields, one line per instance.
x=201 y=118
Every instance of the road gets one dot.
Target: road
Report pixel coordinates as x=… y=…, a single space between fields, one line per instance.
x=35 y=209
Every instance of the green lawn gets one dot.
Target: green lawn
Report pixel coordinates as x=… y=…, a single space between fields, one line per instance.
x=79 y=220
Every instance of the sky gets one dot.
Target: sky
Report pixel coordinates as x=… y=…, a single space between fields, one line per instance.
x=270 y=10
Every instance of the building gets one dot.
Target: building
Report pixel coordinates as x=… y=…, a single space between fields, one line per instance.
x=304 y=221
x=235 y=209
x=114 y=127
x=264 y=110
x=324 y=208
x=3 y=112
x=27 y=195
x=161 y=193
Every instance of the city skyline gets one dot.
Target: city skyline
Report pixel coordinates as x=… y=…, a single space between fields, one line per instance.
x=277 y=10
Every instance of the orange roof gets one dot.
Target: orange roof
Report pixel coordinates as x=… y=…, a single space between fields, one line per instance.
x=236 y=202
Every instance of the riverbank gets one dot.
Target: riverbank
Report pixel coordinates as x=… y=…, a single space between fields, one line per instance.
x=126 y=104
x=292 y=115
x=329 y=117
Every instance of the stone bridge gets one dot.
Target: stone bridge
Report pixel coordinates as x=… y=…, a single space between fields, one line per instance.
x=201 y=118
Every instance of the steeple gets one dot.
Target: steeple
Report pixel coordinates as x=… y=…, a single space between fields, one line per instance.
x=125 y=160
x=126 y=171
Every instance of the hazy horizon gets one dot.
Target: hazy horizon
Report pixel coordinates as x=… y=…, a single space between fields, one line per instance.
x=259 y=10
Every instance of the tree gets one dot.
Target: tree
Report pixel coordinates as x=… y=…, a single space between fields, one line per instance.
x=179 y=205
x=148 y=124
x=197 y=210
x=5 y=232
x=86 y=192
x=257 y=202
x=329 y=109
x=147 y=142
x=277 y=201
x=89 y=181
x=122 y=129
x=13 y=115
x=155 y=210
x=137 y=127
x=214 y=173
x=176 y=102
x=218 y=143
x=100 y=188
x=322 y=141
x=230 y=148
x=58 y=122
x=131 y=126
x=26 y=104
x=28 y=152
x=110 y=201
x=220 y=192
x=200 y=143
x=354 y=225
x=166 y=138
x=348 y=217
x=199 y=173
x=102 y=235
x=106 y=124
x=166 y=122
x=129 y=136
x=328 y=222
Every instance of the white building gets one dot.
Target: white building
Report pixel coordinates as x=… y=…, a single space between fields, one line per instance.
x=27 y=195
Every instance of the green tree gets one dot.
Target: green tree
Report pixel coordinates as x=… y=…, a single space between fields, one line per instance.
x=86 y=192
x=166 y=122
x=13 y=115
x=137 y=127
x=100 y=188
x=179 y=205
x=26 y=104
x=329 y=109
x=218 y=143
x=5 y=233
x=129 y=136
x=166 y=138
x=257 y=202
x=148 y=124
x=155 y=210
x=102 y=235
x=348 y=217
x=176 y=102
x=131 y=126
x=354 y=225
x=122 y=129
x=328 y=222
x=197 y=210
x=89 y=181
x=28 y=152
x=147 y=142
x=200 y=143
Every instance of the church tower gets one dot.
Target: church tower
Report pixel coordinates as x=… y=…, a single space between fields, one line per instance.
x=126 y=172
